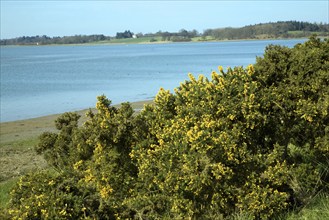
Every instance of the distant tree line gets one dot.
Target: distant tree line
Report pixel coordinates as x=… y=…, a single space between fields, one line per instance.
x=182 y=35
x=284 y=29
x=42 y=40
x=126 y=34
x=280 y=29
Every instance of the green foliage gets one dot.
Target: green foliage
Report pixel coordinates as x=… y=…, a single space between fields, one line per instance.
x=247 y=143
x=93 y=171
x=296 y=97
x=45 y=195
x=285 y=29
x=126 y=34
x=57 y=148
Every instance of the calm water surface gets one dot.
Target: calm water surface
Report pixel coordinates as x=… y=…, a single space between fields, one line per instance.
x=43 y=80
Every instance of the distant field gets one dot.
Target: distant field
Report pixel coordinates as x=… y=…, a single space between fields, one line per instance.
x=132 y=40
x=303 y=32
x=153 y=40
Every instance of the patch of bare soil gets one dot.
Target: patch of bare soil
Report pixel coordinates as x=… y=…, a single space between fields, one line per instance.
x=17 y=162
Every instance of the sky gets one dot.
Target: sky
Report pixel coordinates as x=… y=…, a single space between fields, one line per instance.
x=67 y=18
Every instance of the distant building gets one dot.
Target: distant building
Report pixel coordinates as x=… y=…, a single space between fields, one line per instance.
x=135 y=36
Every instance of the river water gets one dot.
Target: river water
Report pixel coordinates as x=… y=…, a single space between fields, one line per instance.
x=43 y=80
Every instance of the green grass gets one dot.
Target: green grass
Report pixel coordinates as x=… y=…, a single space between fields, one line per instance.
x=317 y=209
x=5 y=188
x=207 y=38
x=20 y=144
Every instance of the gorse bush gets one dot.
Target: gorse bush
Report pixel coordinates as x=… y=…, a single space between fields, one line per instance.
x=251 y=141
x=205 y=157
x=92 y=174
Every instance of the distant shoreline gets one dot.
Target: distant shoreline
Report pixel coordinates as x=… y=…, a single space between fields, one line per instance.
x=109 y=43
x=261 y=31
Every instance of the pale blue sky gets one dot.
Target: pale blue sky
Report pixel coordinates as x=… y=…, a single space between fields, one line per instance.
x=64 y=18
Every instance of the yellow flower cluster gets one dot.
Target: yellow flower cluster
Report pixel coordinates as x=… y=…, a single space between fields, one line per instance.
x=89 y=176
x=78 y=165
x=105 y=191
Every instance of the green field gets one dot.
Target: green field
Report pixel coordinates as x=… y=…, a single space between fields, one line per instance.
x=303 y=32
x=132 y=40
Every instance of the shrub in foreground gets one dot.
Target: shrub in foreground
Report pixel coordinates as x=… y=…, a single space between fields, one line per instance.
x=252 y=141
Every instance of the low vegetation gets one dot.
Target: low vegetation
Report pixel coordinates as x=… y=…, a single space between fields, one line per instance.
x=249 y=143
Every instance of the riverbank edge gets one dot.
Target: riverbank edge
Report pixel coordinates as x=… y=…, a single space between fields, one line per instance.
x=109 y=43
